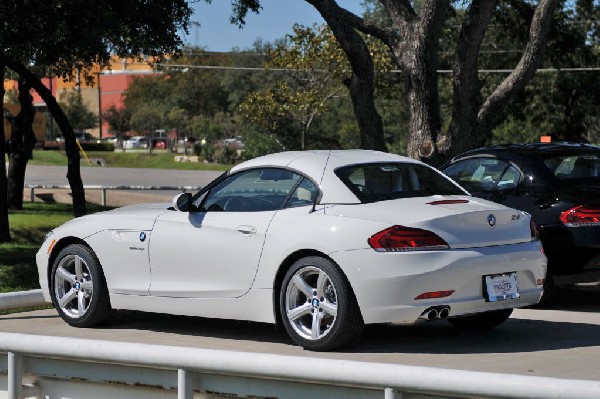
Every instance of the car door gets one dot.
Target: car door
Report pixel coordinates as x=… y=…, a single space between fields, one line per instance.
x=214 y=251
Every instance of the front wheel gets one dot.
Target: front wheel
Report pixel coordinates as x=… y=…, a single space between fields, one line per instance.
x=481 y=321
x=78 y=287
x=317 y=305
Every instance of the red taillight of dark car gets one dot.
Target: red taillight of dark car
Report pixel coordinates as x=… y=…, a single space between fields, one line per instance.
x=581 y=216
x=404 y=239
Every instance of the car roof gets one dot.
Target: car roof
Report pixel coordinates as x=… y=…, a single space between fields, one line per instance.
x=319 y=166
x=528 y=149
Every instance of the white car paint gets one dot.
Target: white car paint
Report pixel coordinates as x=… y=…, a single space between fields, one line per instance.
x=229 y=264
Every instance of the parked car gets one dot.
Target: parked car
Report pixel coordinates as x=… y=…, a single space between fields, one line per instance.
x=558 y=184
x=85 y=137
x=321 y=241
x=135 y=142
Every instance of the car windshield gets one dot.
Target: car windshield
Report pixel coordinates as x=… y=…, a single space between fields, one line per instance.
x=382 y=181
x=571 y=167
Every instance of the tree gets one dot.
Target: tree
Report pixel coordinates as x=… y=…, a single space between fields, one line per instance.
x=414 y=39
x=76 y=111
x=20 y=148
x=73 y=35
x=147 y=119
x=117 y=119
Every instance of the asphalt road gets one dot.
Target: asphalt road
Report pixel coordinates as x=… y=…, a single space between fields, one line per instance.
x=99 y=176
x=562 y=341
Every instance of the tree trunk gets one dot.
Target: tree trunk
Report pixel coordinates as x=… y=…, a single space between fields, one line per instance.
x=361 y=83
x=416 y=53
x=4 y=227
x=73 y=170
x=21 y=146
x=464 y=132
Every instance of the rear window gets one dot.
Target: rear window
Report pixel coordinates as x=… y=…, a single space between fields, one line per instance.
x=582 y=166
x=382 y=181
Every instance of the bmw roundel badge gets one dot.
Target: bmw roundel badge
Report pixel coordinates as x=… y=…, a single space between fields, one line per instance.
x=142 y=236
x=491 y=219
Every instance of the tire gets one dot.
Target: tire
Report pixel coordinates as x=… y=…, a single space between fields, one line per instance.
x=481 y=321
x=317 y=305
x=78 y=288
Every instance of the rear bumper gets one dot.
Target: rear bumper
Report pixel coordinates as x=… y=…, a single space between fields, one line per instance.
x=571 y=250
x=386 y=284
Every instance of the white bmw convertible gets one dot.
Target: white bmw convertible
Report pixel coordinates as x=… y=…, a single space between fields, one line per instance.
x=322 y=242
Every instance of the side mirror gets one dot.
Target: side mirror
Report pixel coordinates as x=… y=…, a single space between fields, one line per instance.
x=183 y=202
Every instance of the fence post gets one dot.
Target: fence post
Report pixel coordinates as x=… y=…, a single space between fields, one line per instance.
x=32 y=194
x=185 y=384
x=103 y=196
x=15 y=375
x=389 y=393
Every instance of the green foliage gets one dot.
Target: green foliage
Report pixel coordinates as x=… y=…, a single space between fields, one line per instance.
x=117 y=119
x=147 y=119
x=70 y=35
x=77 y=112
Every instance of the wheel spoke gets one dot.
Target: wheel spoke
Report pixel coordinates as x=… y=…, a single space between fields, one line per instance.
x=329 y=308
x=321 y=281
x=78 y=268
x=300 y=311
x=302 y=285
x=68 y=297
x=81 y=302
x=65 y=275
x=87 y=285
x=316 y=325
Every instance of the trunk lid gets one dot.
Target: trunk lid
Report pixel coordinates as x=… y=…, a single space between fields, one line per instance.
x=472 y=224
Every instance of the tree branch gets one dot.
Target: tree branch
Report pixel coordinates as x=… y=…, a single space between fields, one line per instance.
x=524 y=71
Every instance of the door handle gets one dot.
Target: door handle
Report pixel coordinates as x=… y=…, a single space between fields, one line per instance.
x=247 y=230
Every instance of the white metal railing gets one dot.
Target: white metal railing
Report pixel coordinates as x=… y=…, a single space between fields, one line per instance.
x=104 y=189
x=194 y=363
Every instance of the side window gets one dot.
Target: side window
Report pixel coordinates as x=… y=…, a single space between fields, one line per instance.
x=254 y=190
x=484 y=174
x=305 y=194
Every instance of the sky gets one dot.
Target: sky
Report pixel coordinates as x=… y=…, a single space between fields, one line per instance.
x=275 y=20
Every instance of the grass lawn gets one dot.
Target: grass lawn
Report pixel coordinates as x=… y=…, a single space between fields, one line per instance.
x=128 y=159
x=28 y=228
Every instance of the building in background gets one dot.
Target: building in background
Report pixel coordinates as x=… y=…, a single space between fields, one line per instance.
x=105 y=89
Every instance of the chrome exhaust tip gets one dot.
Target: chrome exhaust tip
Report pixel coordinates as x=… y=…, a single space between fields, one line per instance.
x=434 y=313
x=429 y=314
x=444 y=312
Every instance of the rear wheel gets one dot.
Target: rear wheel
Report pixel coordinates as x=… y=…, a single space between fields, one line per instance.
x=317 y=305
x=78 y=287
x=481 y=321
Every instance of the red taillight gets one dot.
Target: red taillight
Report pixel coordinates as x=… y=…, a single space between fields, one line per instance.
x=580 y=216
x=434 y=294
x=401 y=239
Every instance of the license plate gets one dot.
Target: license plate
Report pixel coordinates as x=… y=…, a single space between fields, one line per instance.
x=500 y=287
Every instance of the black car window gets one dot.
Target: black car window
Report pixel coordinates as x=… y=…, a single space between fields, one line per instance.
x=484 y=174
x=255 y=190
x=381 y=181
x=574 y=166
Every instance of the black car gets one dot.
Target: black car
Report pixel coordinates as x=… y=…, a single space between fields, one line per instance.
x=558 y=184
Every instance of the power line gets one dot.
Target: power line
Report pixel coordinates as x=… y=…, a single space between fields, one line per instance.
x=441 y=71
